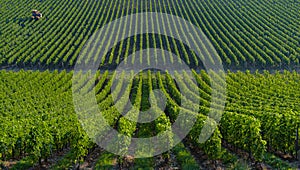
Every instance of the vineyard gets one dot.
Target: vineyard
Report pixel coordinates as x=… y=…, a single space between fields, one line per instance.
x=246 y=34
x=39 y=121
x=257 y=42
